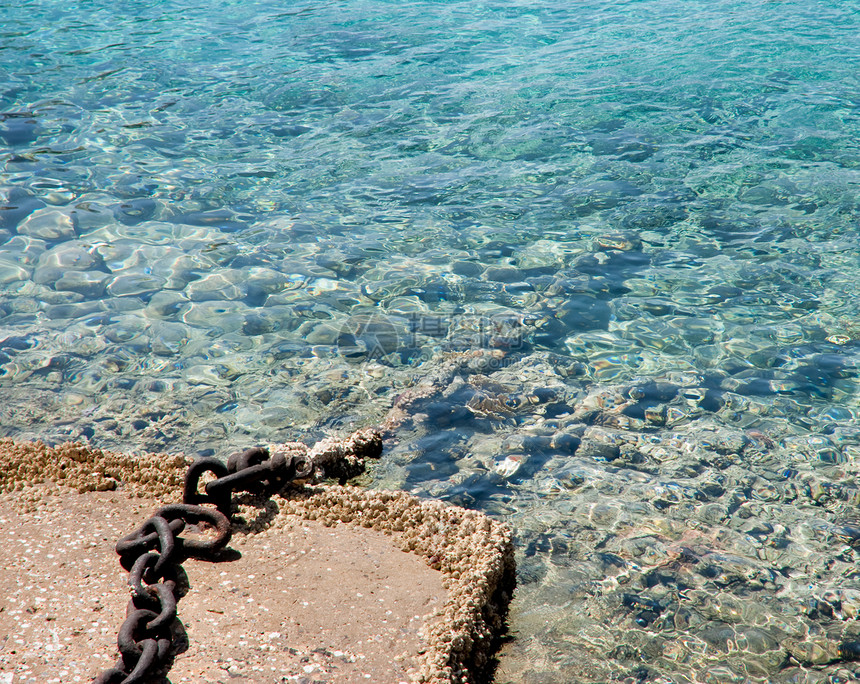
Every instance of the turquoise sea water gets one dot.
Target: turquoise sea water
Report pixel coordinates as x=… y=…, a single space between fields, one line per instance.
x=593 y=265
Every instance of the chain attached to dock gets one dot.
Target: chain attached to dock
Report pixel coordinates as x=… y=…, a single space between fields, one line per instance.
x=153 y=554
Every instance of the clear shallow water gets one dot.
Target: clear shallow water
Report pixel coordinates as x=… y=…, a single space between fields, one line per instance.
x=595 y=268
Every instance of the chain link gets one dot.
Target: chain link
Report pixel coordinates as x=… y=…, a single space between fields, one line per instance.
x=154 y=552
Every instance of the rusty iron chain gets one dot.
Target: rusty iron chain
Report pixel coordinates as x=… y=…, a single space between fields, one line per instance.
x=154 y=552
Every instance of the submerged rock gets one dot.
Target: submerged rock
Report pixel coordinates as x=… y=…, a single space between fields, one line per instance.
x=48 y=224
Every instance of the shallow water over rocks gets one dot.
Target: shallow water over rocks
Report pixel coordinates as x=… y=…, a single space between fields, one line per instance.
x=609 y=300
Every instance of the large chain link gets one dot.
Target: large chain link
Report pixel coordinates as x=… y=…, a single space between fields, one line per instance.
x=153 y=553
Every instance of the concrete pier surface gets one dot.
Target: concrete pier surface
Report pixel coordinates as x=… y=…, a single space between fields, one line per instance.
x=324 y=583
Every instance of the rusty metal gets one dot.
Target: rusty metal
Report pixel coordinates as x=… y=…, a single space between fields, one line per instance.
x=115 y=675
x=194 y=514
x=243 y=459
x=304 y=467
x=141 y=647
x=161 y=596
x=252 y=479
x=139 y=570
x=191 y=493
x=130 y=639
x=152 y=654
x=135 y=543
x=155 y=551
x=166 y=540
